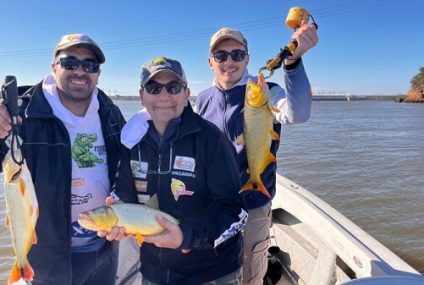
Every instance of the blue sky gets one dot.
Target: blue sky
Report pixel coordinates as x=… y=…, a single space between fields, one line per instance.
x=366 y=46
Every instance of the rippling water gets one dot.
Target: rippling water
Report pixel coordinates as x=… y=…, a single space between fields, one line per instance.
x=366 y=159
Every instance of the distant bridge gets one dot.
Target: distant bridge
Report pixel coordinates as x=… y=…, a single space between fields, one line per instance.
x=348 y=97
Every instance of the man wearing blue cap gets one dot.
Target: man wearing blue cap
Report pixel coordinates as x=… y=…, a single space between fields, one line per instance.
x=70 y=131
x=189 y=165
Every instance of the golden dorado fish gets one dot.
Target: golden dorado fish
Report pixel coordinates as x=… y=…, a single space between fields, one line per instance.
x=139 y=220
x=258 y=132
x=22 y=211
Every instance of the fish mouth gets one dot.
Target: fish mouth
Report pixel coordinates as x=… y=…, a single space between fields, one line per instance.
x=255 y=97
x=86 y=221
x=16 y=175
x=11 y=174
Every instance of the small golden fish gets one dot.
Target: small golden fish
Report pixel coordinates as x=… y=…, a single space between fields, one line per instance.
x=258 y=132
x=22 y=212
x=138 y=219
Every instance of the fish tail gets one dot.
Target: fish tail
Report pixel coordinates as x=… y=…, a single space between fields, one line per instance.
x=247 y=187
x=261 y=188
x=28 y=272
x=15 y=274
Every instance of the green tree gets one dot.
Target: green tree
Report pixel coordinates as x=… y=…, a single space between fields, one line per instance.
x=418 y=80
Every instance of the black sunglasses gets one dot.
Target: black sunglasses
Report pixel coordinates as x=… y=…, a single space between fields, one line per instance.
x=237 y=55
x=72 y=63
x=174 y=87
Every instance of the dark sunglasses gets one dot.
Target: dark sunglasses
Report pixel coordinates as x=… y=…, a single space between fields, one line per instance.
x=237 y=55
x=72 y=63
x=173 y=87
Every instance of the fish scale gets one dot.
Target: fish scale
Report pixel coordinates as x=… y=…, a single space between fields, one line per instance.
x=258 y=133
x=22 y=214
x=139 y=220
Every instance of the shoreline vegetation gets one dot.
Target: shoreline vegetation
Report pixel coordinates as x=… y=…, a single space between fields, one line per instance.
x=415 y=95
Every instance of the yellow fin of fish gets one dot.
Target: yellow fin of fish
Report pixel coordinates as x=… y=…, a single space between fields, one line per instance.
x=153 y=202
x=240 y=140
x=139 y=238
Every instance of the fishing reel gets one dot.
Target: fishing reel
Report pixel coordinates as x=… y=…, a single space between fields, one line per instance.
x=294 y=20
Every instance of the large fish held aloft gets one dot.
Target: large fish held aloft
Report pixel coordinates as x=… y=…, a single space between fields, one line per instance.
x=258 y=132
x=22 y=209
x=138 y=220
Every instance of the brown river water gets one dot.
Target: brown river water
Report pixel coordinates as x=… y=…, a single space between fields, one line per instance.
x=365 y=158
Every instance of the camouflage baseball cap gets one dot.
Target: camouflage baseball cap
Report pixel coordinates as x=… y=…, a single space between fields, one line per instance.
x=82 y=40
x=159 y=64
x=227 y=33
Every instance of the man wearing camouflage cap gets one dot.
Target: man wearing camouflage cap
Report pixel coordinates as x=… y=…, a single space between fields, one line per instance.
x=70 y=131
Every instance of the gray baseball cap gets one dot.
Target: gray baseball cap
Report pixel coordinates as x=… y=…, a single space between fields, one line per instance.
x=226 y=33
x=82 y=40
x=159 y=64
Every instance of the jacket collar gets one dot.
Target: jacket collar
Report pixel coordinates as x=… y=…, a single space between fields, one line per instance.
x=39 y=107
x=241 y=82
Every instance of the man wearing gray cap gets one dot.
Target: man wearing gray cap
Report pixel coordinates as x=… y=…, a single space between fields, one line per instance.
x=223 y=103
x=189 y=165
x=70 y=131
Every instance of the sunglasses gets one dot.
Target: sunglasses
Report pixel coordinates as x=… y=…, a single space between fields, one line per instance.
x=72 y=63
x=173 y=87
x=237 y=55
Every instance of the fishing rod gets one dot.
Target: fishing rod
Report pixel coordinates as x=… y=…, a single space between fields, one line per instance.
x=10 y=98
x=294 y=20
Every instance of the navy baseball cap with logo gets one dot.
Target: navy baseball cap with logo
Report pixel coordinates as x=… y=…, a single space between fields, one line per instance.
x=81 y=40
x=159 y=64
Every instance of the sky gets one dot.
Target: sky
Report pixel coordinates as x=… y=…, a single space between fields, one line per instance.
x=366 y=47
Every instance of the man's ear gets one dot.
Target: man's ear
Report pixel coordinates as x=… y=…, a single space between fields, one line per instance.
x=210 y=63
x=140 y=93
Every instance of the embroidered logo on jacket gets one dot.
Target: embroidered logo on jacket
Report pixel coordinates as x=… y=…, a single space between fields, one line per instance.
x=139 y=168
x=178 y=189
x=184 y=163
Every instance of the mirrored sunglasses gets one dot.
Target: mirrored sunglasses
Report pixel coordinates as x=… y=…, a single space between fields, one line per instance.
x=237 y=55
x=174 y=87
x=72 y=63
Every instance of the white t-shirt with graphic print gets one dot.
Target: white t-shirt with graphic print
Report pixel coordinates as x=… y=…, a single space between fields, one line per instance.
x=90 y=181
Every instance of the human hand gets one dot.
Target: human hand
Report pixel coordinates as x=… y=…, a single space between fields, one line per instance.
x=5 y=122
x=306 y=37
x=172 y=237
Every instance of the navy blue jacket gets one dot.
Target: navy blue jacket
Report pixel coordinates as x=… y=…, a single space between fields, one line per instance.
x=193 y=152
x=225 y=108
x=47 y=150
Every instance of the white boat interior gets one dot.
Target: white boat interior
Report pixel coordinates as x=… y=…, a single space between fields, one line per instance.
x=312 y=244
x=321 y=246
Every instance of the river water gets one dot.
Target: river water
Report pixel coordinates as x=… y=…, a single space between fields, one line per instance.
x=365 y=158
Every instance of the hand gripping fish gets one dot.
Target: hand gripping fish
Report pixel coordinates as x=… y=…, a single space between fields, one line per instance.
x=138 y=220
x=258 y=132
x=22 y=209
